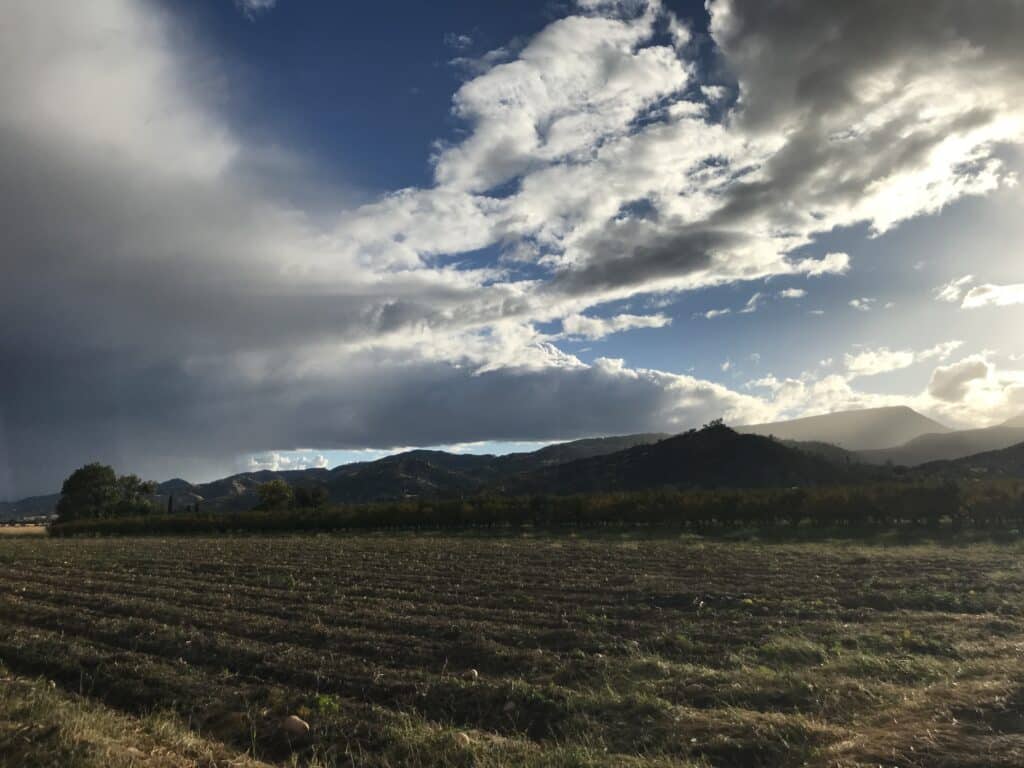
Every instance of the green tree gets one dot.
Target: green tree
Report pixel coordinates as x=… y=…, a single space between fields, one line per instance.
x=318 y=496
x=96 y=491
x=135 y=496
x=310 y=498
x=91 y=491
x=276 y=494
x=134 y=489
x=303 y=498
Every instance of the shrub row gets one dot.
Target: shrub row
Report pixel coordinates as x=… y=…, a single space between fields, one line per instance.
x=898 y=505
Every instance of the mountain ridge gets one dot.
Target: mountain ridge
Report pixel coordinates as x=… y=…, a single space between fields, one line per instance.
x=946 y=446
x=419 y=472
x=1017 y=422
x=604 y=463
x=1007 y=462
x=855 y=430
x=710 y=458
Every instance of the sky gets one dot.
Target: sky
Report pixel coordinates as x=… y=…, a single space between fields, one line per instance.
x=241 y=234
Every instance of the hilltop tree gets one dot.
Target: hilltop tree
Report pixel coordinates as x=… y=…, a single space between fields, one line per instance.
x=276 y=494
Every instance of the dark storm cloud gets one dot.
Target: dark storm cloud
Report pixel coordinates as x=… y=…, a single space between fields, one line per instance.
x=130 y=305
x=851 y=96
x=813 y=172
x=635 y=252
x=950 y=382
x=159 y=419
x=808 y=57
x=145 y=321
x=816 y=69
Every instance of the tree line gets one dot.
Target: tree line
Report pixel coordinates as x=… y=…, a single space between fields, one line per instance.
x=97 y=492
x=925 y=504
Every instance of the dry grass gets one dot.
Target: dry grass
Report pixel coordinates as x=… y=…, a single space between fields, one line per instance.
x=590 y=651
x=22 y=530
x=41 y=725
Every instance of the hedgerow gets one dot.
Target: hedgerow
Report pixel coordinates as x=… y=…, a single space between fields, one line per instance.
x=988 y=505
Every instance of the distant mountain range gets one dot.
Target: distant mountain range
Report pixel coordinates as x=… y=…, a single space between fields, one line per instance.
x=898 y=436
x=33 y=506
x=419 y=473
x=1008 y=462
x=946 y=446
x=710 y=458
x=863 y=430
x=845 y=447
x=714 y=457
x=1016 y=422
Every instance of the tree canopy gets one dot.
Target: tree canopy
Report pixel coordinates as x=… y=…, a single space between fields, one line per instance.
x=276 y=494
x=95 y=490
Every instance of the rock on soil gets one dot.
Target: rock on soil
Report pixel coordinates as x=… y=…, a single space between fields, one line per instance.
x=295 y=726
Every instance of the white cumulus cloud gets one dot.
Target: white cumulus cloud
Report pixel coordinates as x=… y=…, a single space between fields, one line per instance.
x=873 y=361
x=994 y=296
x=597 y=327
x=953 y=291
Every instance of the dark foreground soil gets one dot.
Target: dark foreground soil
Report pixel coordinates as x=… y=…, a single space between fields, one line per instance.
x=402 y=650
